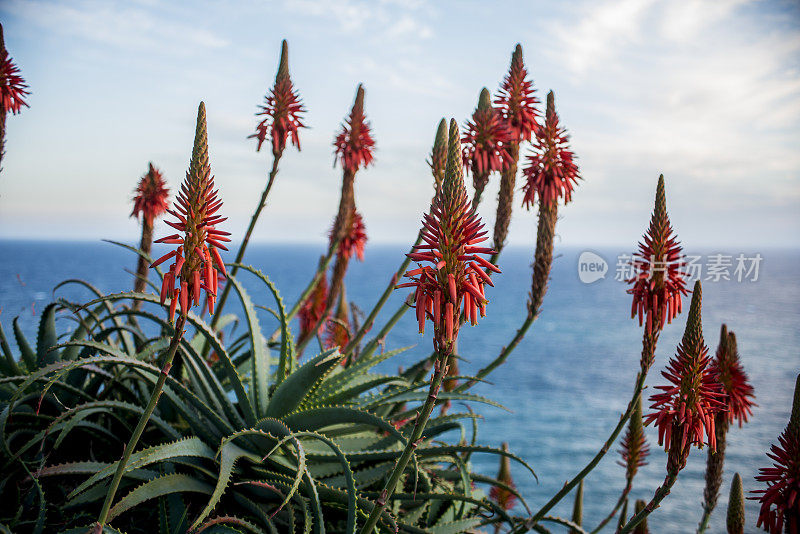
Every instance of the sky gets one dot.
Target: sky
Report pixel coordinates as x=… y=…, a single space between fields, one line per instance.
x=706 y=92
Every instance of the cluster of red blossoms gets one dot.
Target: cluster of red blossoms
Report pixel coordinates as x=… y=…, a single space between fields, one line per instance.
x=551 y=171
x=455 y=276
x=485 y=139
x=282 y=110
x=731 y=375
x=354 y=241
x=780 y=501
x=310 y=313
x=12 y=85
x=353 y=146
x=516 y=100
x=685 y=408
x=150 y=197
x=197 y=261
x=659 y=282
x=634 y=449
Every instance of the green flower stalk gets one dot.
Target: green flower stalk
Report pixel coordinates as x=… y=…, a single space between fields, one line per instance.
x=438 y=159
x=735 y=518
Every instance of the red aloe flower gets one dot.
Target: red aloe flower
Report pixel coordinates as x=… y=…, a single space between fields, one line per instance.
x=485 y=139
x=197 y=261
x=12 y=85
x=551 y=170
x=685 y=409
x=150 y=198
x=730 y=373
x=634 y=449
x=354 y=144
x=780 y=501
x=354 y=241
x=311 y=311
x=659 y=282
x=452 y=233
x=504 y=498
x=282 y=110
x=516 y=99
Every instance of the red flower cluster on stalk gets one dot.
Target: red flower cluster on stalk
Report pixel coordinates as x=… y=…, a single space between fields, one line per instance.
x=634 y=449
x=12 y=85
x=282 y=110
x=455 y=276
x=354 y=144
x=197 y=262
x=516 y=100
x=150 y=198
x=731 y=375
x=685 y=409
x=354 y=241
x=780 y=501
x=485 y=139
x=659 y=283
x=551 y=172
x=310 y=313
x=503 y=497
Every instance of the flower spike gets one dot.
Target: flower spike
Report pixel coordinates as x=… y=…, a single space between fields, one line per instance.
x=504 y=498
x=282 y=110
x=354 y=240
x=730 y=373
x=516 y=100
x=485 y=141
x=685 y=409
x=150 y=198
x=438 y=160
x=634 y=445
x=449 y=273
x=12 y=86
x=659 y=283
x=780 y=501
x=197 y=264
x=354 y=144
x=551 y=172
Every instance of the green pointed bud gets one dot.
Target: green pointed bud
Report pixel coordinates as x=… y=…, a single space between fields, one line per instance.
x=2 y=41
x=735 y=520
x=693 y=335
x=794 y=419
x=200 y=150
x=439 y=153
x=484 y=100
x=357 y=113
x=358 y=105
x=641 y=528
x=283 y=66
x=660 y=213
x=724 y=347
x=504 y=474
x=577 y=508
x=516 y=57
x=453 y=178
x=551 y=104
x=623 y=515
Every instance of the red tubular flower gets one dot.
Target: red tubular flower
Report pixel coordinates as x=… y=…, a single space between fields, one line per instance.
x=659 y=282
x=197 y=263
x=516 y=100
x=485 y=139
x=780 y=501
x=150 y=198
x=12 y=85
x=504 y=498
x=455 y=276
x=730 y=373
x=282 y=110
x=354 y=241
x=312 y=309
x=685 y=409
x=551 y=172
x=354 y=144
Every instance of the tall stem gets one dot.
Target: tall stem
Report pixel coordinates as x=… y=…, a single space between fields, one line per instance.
x=142 y=265
x=505 y=200
x=661 y=492
x=341 y=227
x=145 y=417
x=440 y=369
x=240 y=254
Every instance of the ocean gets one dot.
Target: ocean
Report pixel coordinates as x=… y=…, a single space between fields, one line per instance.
x=565 y=385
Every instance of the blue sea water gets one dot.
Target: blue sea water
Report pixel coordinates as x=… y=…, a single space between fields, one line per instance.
x=566 y=384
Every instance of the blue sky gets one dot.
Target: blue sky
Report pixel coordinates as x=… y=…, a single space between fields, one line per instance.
x=707 y=92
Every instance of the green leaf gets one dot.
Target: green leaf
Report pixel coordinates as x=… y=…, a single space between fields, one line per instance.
x=47 y=337
x=291 y=393
x=321 y=417
x=173 y=483
x=25 y=350
x=456 y=527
